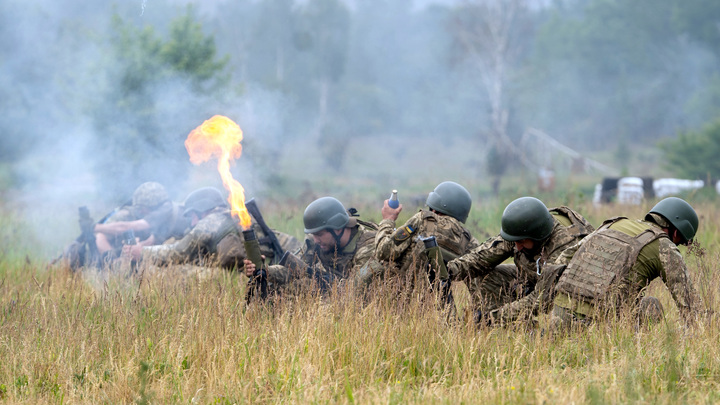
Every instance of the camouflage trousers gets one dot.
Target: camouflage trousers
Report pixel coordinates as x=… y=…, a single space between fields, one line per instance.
x=649 y=310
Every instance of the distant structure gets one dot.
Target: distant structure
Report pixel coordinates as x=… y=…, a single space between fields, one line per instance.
x=634 y=190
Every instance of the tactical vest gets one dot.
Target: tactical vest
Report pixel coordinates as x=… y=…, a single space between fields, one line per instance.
x=604 y=262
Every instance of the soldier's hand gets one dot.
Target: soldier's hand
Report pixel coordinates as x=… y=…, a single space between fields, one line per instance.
x=132 y=251
x=390 y=213
x=249 y=267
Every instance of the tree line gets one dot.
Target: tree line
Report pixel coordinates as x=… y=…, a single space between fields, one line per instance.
x=594 y=74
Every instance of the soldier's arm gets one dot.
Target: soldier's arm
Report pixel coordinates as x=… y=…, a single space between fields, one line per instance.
x=474 y=243
x=524 y=308
x=481 y=260
x=280 y=275
x=677 y=279
x=539 y=300
x=568 y=253
x=391 y=243
x=116 y=228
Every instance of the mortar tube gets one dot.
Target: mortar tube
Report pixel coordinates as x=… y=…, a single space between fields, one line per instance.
x=252 y=248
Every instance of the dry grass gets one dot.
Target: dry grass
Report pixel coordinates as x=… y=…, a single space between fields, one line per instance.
x=185 y=335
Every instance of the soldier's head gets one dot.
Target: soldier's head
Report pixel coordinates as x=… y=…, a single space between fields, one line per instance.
x=451 y=199
x=527 y=222
x=201 y=201
x=326 y=220
x=148 y=196
x=678 y=217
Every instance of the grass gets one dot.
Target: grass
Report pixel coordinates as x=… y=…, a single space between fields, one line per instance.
x=185 y=335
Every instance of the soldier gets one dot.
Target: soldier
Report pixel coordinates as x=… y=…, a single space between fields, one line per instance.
x=448 y=208
x=212 y=227
x=150 y=215
x=532 y=235
x=610 y=269
x=336 y=248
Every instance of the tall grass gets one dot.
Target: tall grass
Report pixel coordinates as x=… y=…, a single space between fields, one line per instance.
x=186 y=335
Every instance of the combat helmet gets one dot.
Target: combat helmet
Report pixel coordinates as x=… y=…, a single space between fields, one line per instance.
x=202 y=200
x=526 y=218
x=149 y=195
x=680 y=214
x=325 y=213
x=451 y=199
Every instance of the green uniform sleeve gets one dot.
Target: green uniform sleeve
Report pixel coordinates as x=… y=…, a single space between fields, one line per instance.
x=481 y=260
x=676 y=277
x=388 y=247
x=539 y=300
x=278 y=275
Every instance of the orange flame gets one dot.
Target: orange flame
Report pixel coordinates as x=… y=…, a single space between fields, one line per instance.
x=220 y=137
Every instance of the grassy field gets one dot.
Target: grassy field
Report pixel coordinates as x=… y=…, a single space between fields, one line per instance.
x=185 y=335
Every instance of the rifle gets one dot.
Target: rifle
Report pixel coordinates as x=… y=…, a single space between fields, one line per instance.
x=255 y=212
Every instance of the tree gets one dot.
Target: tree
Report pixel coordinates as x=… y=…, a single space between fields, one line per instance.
x=490 y=35
x=141 y=119
x=694 y=155
x=326 y=25
x=611 y=72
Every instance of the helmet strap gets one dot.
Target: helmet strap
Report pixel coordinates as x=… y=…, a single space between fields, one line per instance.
x=337 y=237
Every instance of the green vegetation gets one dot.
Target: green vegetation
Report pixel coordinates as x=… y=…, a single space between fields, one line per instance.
x=693 y=154
x=185 y=335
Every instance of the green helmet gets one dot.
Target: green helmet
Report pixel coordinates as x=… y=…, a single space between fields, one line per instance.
x=203 y=199
x=526 y=218
x=150 y=195
x=325 y=213
x=450 y=199
x=680 y=214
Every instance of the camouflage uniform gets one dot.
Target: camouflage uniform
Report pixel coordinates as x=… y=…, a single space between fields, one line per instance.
x=402 y=248
x=166 y=221
x=612 y=267
x=510 y=291
x=214 y=240
x=324 y=267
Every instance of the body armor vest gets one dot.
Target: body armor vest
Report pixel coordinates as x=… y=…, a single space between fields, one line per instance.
x=603 y=263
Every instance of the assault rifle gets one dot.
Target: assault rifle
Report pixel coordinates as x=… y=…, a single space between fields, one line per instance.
x=255 y=213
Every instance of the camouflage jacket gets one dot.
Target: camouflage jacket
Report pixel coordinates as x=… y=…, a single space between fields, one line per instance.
x=403 y=248
x=569 y=228
x=215 y=239
x=646 y=254
x=332 y=266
